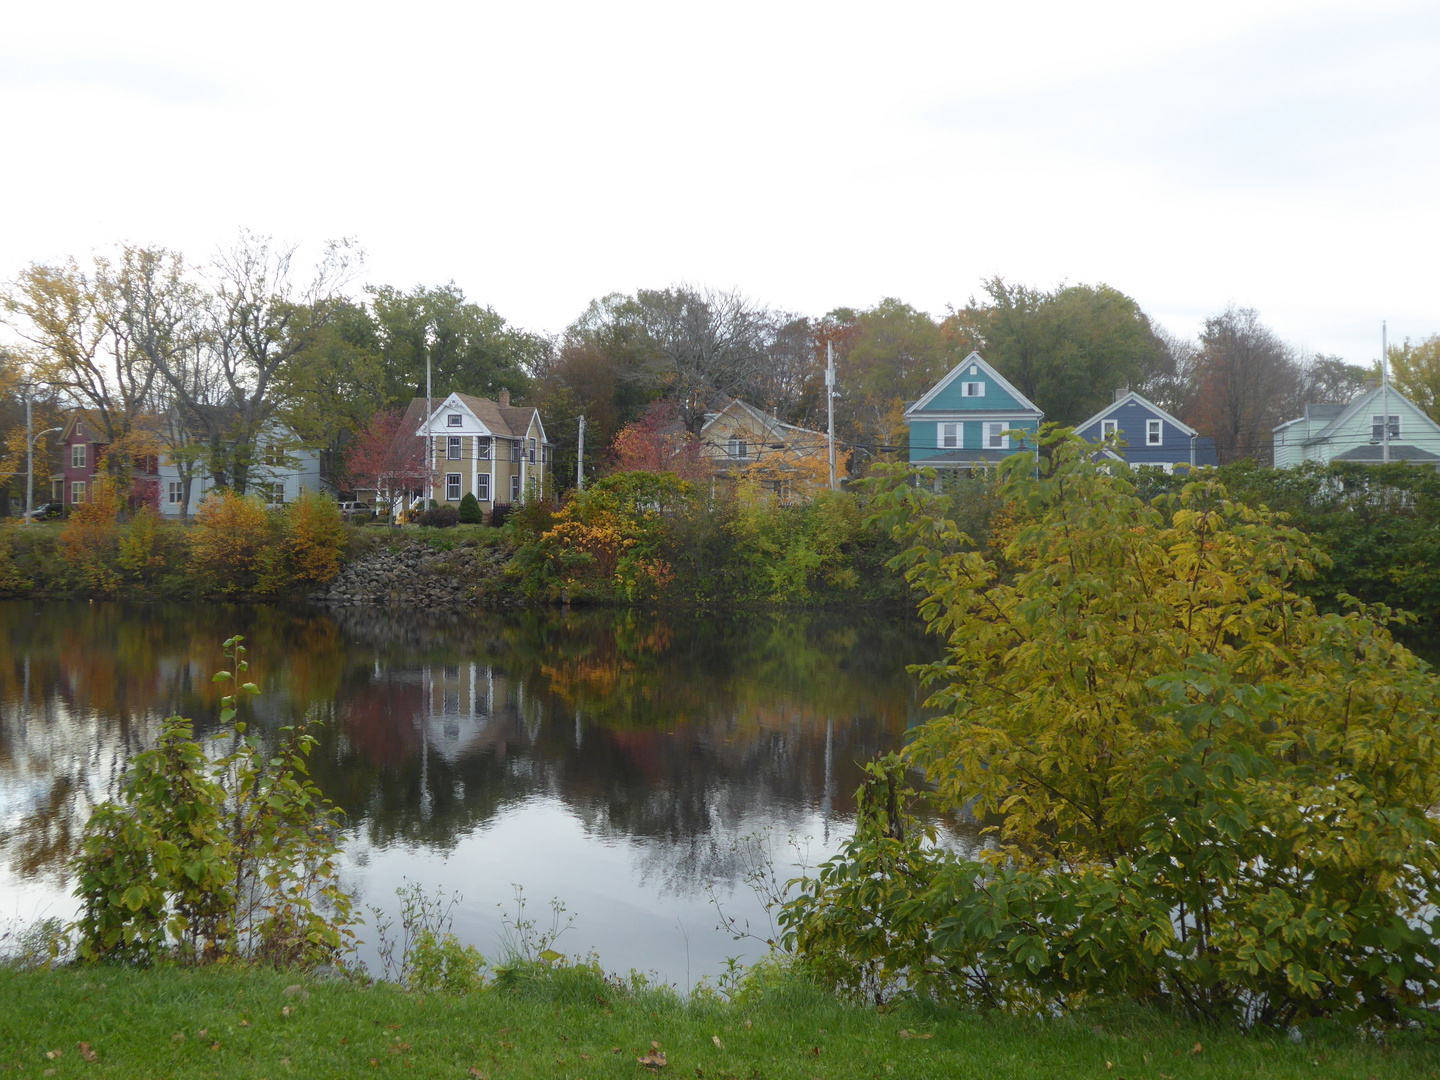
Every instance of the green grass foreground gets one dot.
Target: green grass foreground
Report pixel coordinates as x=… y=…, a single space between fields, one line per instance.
x=220 y=1022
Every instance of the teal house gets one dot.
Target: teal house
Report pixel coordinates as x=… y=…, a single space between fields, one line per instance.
x=1356 y=432
x=961 y=423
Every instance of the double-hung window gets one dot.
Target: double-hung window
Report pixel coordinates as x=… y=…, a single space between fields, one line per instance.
x=994 y=440
x=277 y=494
x=737 y=448
x=1109 y=428
x=972 y=389
x=452 y=487
x=77 y=491
x=176 y=492
x=452 y=448
x=514 y=489
x=482 y=448
x=516 y=447
x=1154 y=433
x=532 y=451
x=77 y=456
x=1377 y=427
x=482 y=487
x=950 y=436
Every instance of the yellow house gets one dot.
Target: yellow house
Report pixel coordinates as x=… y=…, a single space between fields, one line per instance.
x=491 y=449
x=743 y=443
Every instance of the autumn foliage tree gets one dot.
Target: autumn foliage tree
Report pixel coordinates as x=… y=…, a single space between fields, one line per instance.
x=657 y=443
x=384 y=457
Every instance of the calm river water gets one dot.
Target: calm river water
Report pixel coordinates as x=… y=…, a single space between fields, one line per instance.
x=632 y=767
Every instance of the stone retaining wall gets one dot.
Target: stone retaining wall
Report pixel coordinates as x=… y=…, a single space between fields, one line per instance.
x=416 y=575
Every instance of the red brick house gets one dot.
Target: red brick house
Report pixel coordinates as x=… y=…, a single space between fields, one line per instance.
x=82 y=447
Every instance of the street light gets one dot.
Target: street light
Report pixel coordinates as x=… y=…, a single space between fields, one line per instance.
x=30 y=457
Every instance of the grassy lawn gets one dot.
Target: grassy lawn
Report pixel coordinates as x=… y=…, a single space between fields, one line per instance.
x=237 y=1023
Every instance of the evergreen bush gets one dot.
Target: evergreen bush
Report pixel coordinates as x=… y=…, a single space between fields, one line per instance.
x=470 y=512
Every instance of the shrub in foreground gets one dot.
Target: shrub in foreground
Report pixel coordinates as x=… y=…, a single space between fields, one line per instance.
x=208 y=858
x=1212 y=795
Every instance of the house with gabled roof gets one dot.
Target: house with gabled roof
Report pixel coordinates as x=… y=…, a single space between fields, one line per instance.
x=962 y=422
x=1145 y=434
x=494 y=450
x=1355 y=431
x=786 y=459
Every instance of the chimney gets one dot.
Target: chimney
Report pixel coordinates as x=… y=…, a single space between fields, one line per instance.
x=1121 y=391
x=504 y=399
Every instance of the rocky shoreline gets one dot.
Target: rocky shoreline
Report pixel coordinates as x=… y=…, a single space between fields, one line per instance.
x=417 y=574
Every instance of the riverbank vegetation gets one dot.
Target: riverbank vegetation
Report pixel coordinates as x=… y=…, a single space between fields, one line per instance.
x=1209 y=794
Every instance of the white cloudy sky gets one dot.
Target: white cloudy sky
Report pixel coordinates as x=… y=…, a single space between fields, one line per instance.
x=1277 y=154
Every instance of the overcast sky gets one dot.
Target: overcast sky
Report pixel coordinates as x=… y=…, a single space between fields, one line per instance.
x=1278 y=155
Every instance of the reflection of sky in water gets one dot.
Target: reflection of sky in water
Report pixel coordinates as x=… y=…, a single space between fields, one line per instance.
x=617 y=763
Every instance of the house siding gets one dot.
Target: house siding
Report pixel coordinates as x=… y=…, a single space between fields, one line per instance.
x=1132 y=418
x=1323 y=439
x=997 y=403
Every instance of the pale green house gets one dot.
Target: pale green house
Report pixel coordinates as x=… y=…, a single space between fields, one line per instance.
x=1356 y=432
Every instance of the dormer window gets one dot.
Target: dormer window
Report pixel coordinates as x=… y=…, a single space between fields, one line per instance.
x=452 y=419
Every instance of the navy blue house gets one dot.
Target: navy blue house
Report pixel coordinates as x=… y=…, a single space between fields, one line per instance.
x=1147 y=434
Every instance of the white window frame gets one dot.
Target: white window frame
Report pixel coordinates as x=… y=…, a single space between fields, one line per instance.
x=1108 y=428
x=77 y=456
x=993 y=439
x=482 y=487
x=176 y=492
x=77 y=492
x=1377 y=426
x=948 y=432
x=532 y=451
x=452 y=448
x=1154 y=432
x=516 y=449
x=454 y=419
x=514 y=489
x=452 y=487
x=482 y=448
x=972 y=389
x=737 y=448
x=277 y=493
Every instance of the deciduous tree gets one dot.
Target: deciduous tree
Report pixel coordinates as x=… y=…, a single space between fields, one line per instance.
x=1415 y=369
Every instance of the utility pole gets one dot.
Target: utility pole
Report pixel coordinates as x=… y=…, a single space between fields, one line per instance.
x=1385 y=392
x=429 y=433
x=580 y=458
x=830 y=394
x=29 y=460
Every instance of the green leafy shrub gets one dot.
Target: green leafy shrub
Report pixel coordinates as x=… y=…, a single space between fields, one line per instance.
x=470 y=512
x=440 y=517
x=1209 y=793
x=206 y=858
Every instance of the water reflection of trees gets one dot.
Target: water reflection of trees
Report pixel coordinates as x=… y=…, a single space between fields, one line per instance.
x=669 y=731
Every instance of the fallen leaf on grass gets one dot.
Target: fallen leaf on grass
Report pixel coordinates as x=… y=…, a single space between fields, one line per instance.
x=392 y=1027
x=915 y=1034
x=87 y=1053
x=653 y=1060
x=285 y=1011
x=1109 y=1065
x=584 y=1057
x=748 y=1025
x=1196 y=1048
x=179 y=1036
x=51 y=1055
x=373 y=1062
x=616 y=1050
x=285 y=1061
x=244 y=1023
x=716 y=1040
x=477 y=1073
x=215 y=1046
x=296 y=990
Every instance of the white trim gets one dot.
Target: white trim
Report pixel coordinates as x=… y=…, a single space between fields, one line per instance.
x=1159 y=439
x=992 y=429
x=1112 y=429
x=1185 y=429
x=974 y=359
x=432 y=424
x=959 y=426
